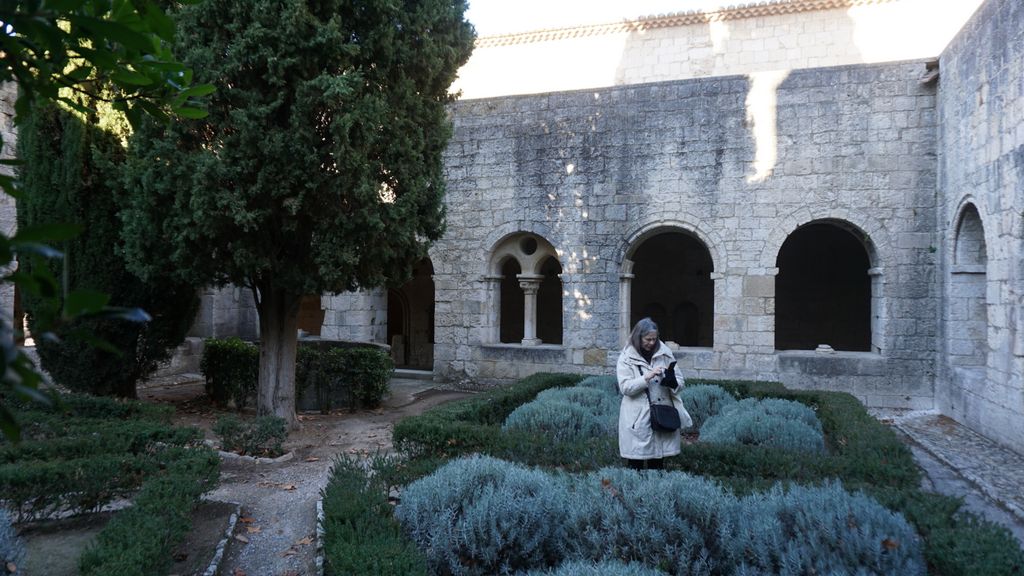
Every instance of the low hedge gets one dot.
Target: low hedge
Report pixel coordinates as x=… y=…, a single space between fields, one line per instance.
x=360 y=534
x=342 y=377
x=139 y=541
x=231 y=368
x=81 y=452
x=334 y=374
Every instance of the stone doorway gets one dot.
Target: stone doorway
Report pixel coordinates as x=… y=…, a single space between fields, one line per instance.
x=411 y=319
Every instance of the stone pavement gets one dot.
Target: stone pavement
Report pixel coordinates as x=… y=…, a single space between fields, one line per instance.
x=960 y=462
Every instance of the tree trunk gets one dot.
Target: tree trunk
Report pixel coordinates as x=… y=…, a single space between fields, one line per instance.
x=279 y=318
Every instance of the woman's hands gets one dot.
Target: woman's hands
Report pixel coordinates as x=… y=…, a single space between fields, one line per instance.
x=654 y=373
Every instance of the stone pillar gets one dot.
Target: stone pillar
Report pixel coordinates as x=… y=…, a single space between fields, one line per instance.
x=530 y=283
x=625 y=300
x=492 y=299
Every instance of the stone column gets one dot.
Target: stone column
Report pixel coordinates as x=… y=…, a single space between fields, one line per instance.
x=625 y=300
x=492 y=311
x=530 y=283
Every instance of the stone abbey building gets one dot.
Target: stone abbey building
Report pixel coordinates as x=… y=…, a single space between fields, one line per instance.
x=827 y=193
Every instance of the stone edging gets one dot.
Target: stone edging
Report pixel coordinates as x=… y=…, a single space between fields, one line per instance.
x=214 y=568
x=987 y=489
x=320 y=536
x=232 y=456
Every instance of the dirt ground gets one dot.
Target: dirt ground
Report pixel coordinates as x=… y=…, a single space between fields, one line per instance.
x=275 y=534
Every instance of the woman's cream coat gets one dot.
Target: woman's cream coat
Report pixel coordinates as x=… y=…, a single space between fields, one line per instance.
x=636 y=439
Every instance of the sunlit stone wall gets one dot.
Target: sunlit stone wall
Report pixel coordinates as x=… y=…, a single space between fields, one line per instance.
x=981 y=164
x=737 y=162
x=784 y=35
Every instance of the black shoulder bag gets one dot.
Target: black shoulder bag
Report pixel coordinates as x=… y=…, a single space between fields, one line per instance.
x=664 y=418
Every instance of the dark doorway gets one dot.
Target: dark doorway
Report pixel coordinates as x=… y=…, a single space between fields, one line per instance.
x=411 y=319
x=512 y=303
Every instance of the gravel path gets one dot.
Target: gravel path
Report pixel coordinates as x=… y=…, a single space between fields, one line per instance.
x=275 y=535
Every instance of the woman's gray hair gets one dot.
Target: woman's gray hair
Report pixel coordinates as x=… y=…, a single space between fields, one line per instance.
x=644 y=327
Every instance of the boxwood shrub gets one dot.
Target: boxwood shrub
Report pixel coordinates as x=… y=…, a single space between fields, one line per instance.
x=347 y=377
x=231 y=368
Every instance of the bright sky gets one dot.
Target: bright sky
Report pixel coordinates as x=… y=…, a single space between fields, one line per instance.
x=504 y=16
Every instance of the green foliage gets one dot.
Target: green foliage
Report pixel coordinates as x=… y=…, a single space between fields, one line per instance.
x=956 y=542
x=605 y=383
x=320 y=165
x=71 y=173
x=703 y=401
x=231 y=367
x=472 y=424
x=770 y=422
x=356 y=376
x=261 y=436
x=598 y=569
x=112 y=44
x=12 y=550
x=567 y=414
x=818 y=530
x=480 y=515
x=101 y=437
x=139 y=540
x=360 y=535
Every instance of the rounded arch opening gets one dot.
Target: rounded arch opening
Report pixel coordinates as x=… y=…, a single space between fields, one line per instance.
x=823 y=290
x=672 y=285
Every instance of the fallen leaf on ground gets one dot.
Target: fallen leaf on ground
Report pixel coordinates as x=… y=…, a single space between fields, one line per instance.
x=305 y=541
x=253 y=529
x=312 y=459
x=287 y=486
x=288 y=552
x=241 y=538
x=239 y=572
x=246 y=520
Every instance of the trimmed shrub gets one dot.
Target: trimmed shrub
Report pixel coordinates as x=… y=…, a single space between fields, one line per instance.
x=350 y=376
x=767 y=422
x=261 y=436
x=231 y=368
x=704 y=401
x=598 y=569
x=603 y=383
x=360 y=534
x=480 y=515
x=473 y=424
x=11 y=548
x=139 y=541
x=559 y=421
x=665 y=520
x=564 y=414
x=817 y=530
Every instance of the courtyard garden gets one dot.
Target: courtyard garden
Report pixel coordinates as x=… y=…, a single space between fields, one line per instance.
x=526 y=479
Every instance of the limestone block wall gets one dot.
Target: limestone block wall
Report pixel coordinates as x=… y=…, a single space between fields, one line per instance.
x=356 y=316
x=8 y=211
x=737 y=162
x=780 y=35
x=224 y=312
x=981 y=184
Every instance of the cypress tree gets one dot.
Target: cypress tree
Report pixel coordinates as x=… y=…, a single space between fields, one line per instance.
x=319 y=168
x=71 y=174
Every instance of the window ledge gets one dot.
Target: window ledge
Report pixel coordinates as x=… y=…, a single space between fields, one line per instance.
x=512 y=346
x=967 y=268
x=833 y=354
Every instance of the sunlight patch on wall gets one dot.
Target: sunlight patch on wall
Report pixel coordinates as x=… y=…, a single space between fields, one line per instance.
x=908 y=29
x=762 y=113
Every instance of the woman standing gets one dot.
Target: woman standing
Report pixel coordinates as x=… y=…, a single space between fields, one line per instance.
x=641 y=371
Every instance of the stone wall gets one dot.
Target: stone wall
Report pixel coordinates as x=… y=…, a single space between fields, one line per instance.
x=981 y=178
x=785 y=35
x=738 y=163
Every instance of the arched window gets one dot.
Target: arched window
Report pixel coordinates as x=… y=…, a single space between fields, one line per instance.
x=527 y=291
x=672 y=285
x=966 y=302
x=823 y=291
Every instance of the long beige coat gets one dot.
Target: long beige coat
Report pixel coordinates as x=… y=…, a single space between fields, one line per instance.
x=636 y=439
